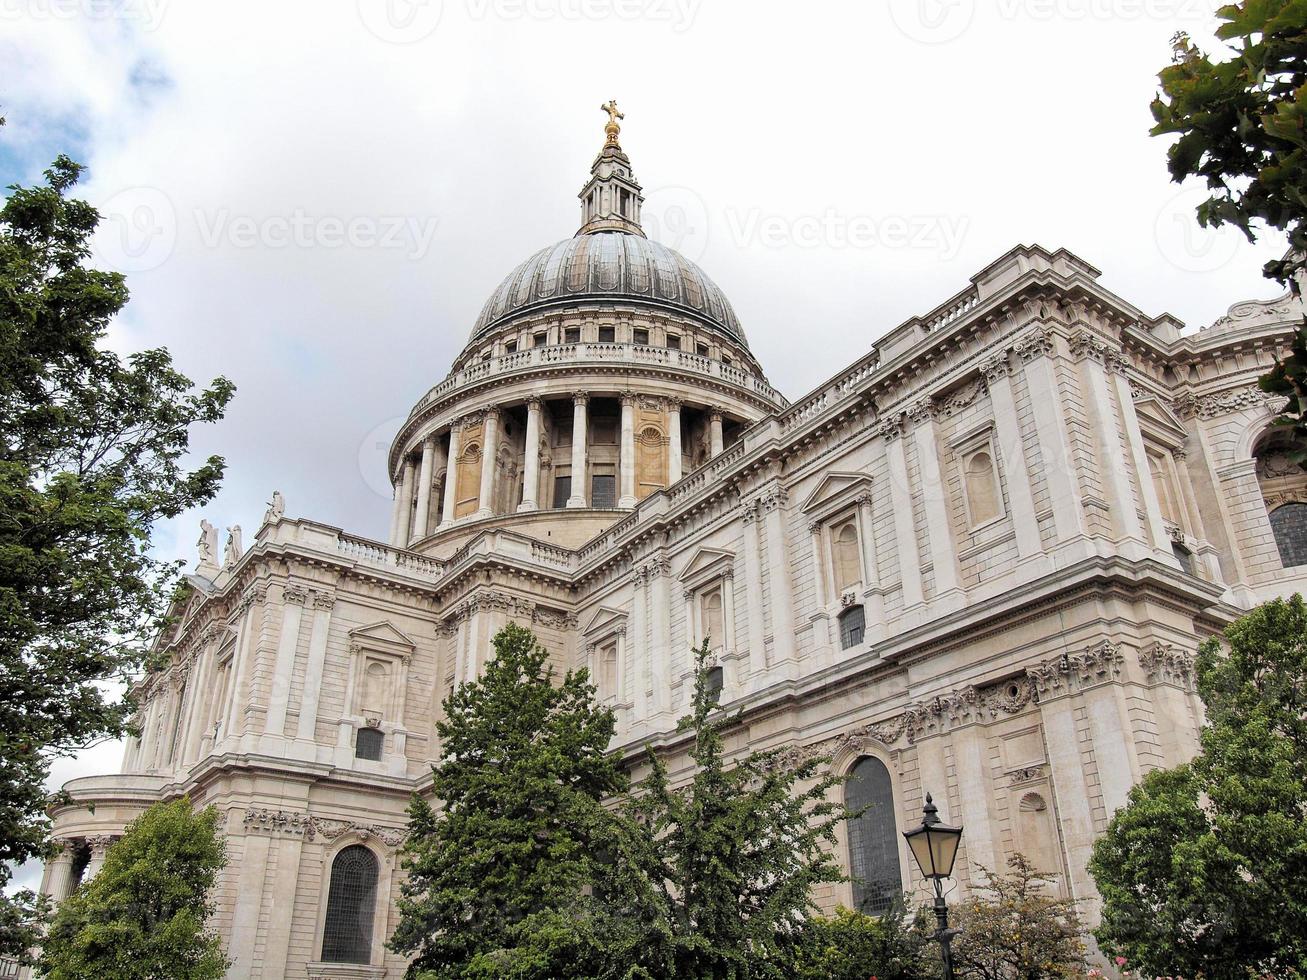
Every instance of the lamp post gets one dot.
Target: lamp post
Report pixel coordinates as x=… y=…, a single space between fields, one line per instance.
x=935 y=846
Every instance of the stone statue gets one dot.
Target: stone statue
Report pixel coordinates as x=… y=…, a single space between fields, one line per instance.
x=275 y=509
x=208 y=544
x=612 y=127
x=234 y=549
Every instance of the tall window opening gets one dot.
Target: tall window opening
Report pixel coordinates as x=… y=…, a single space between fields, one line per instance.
x=873 y=838
x=351 y=906
x=368 y=744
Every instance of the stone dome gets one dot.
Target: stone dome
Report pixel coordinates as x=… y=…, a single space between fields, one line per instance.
x=607 y=266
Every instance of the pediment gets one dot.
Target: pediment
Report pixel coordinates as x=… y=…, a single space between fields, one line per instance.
x=382 y=636
x=604 y=620
x=706 y=562
x=1157 y=417
x=835 y=488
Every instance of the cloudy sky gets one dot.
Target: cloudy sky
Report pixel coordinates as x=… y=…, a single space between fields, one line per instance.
x=315 y=198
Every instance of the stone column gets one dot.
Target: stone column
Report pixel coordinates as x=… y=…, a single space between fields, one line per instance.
x=486 y=506
x=1157 y=534
x=934 y=500
x=660 y=587
x=202 y=694
x=1036 y=352
x=59 y=872
x=873 y=597
x=778 y=576
x=306 y=726
x=715 y=444
x=1094 y=355
x=397 y=509
x=1015 y=473
x=406 y=516
x=822 y=636
x=905 y=530
x=451 y=472
x=753 y=584
x=673 y=440
x=293 y=598
x=578 y=497
x=234 y=709
x=627 y=462
x=643 y=677
x=531 y=458
x=99 y=849
x=424 y=488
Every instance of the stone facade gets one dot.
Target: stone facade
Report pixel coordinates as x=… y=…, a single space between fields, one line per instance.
x=984 y=555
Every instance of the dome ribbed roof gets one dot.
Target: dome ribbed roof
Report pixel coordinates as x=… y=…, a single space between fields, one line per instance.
x=606 y=266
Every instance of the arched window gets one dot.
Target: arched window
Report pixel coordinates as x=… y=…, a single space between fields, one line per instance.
x=368 y=744
x=848 y=567
x=982 y=488
x=853 y=626
x=873 y=838
x=351 y=904
x=1289 y=524
x=710 y=616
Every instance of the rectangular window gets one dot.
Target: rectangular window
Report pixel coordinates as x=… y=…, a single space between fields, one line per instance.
x=510 y=347
x=572 y=335
x=726 y=359
x=607 y=335
x=641 y=336
x=702 y=350
x=603 y=490
x=562 y=490
x=539 y=339
x=673 y=342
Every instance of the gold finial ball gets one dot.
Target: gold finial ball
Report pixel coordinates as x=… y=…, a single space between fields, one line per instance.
x=612 y=127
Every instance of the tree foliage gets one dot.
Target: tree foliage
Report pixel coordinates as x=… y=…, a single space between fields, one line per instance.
x=714 y=877
x=497 y=874
x=854 y=946
x=1017 y=928
x=1204 y=872
x=91 y=458
x=143 y=916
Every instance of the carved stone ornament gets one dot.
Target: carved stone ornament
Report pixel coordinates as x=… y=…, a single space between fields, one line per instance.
x=1164 y=662
x=1036 y=343
x=1027 y=775
x=1218 y=403
x=266 y=821
x=329 y=830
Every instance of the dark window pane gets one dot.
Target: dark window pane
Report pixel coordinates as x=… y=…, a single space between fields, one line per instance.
x=1289 y=523
x=641 y=336
x=368 y=743
x=562 y=490
x=673 y=342
x=852 y=626
x=1184 y=557
x=715 y=682
x=572 y=335
x=873 y=838
x=351 y=903
x=603 y=490
x=607 y=335
x=539 y=339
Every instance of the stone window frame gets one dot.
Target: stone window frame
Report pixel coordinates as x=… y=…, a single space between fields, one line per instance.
x=827 y=512
x=376 y=643
x=376 y=968
x=608 y=626
x=843 y=759
x=711 y=569
x=965 y=447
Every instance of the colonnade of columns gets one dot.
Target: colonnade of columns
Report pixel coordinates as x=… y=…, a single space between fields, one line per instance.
x=417 y=481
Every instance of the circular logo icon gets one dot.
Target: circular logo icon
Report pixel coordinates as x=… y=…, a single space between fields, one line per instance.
x=932 y=21
x=374 y=452
x=1185 y=243
x=677 y=217
x=138 y=230
x=400 y=21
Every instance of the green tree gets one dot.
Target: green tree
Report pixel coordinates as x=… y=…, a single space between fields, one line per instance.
x=1204 y=871
x=143 y=916
x=854 y=946
x=1016 y=928
x=1240 y=124
x=712 y=879
x=91 y=453
x=498 y=874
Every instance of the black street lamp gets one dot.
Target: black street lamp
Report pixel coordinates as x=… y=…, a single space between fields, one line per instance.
x=935 y=846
